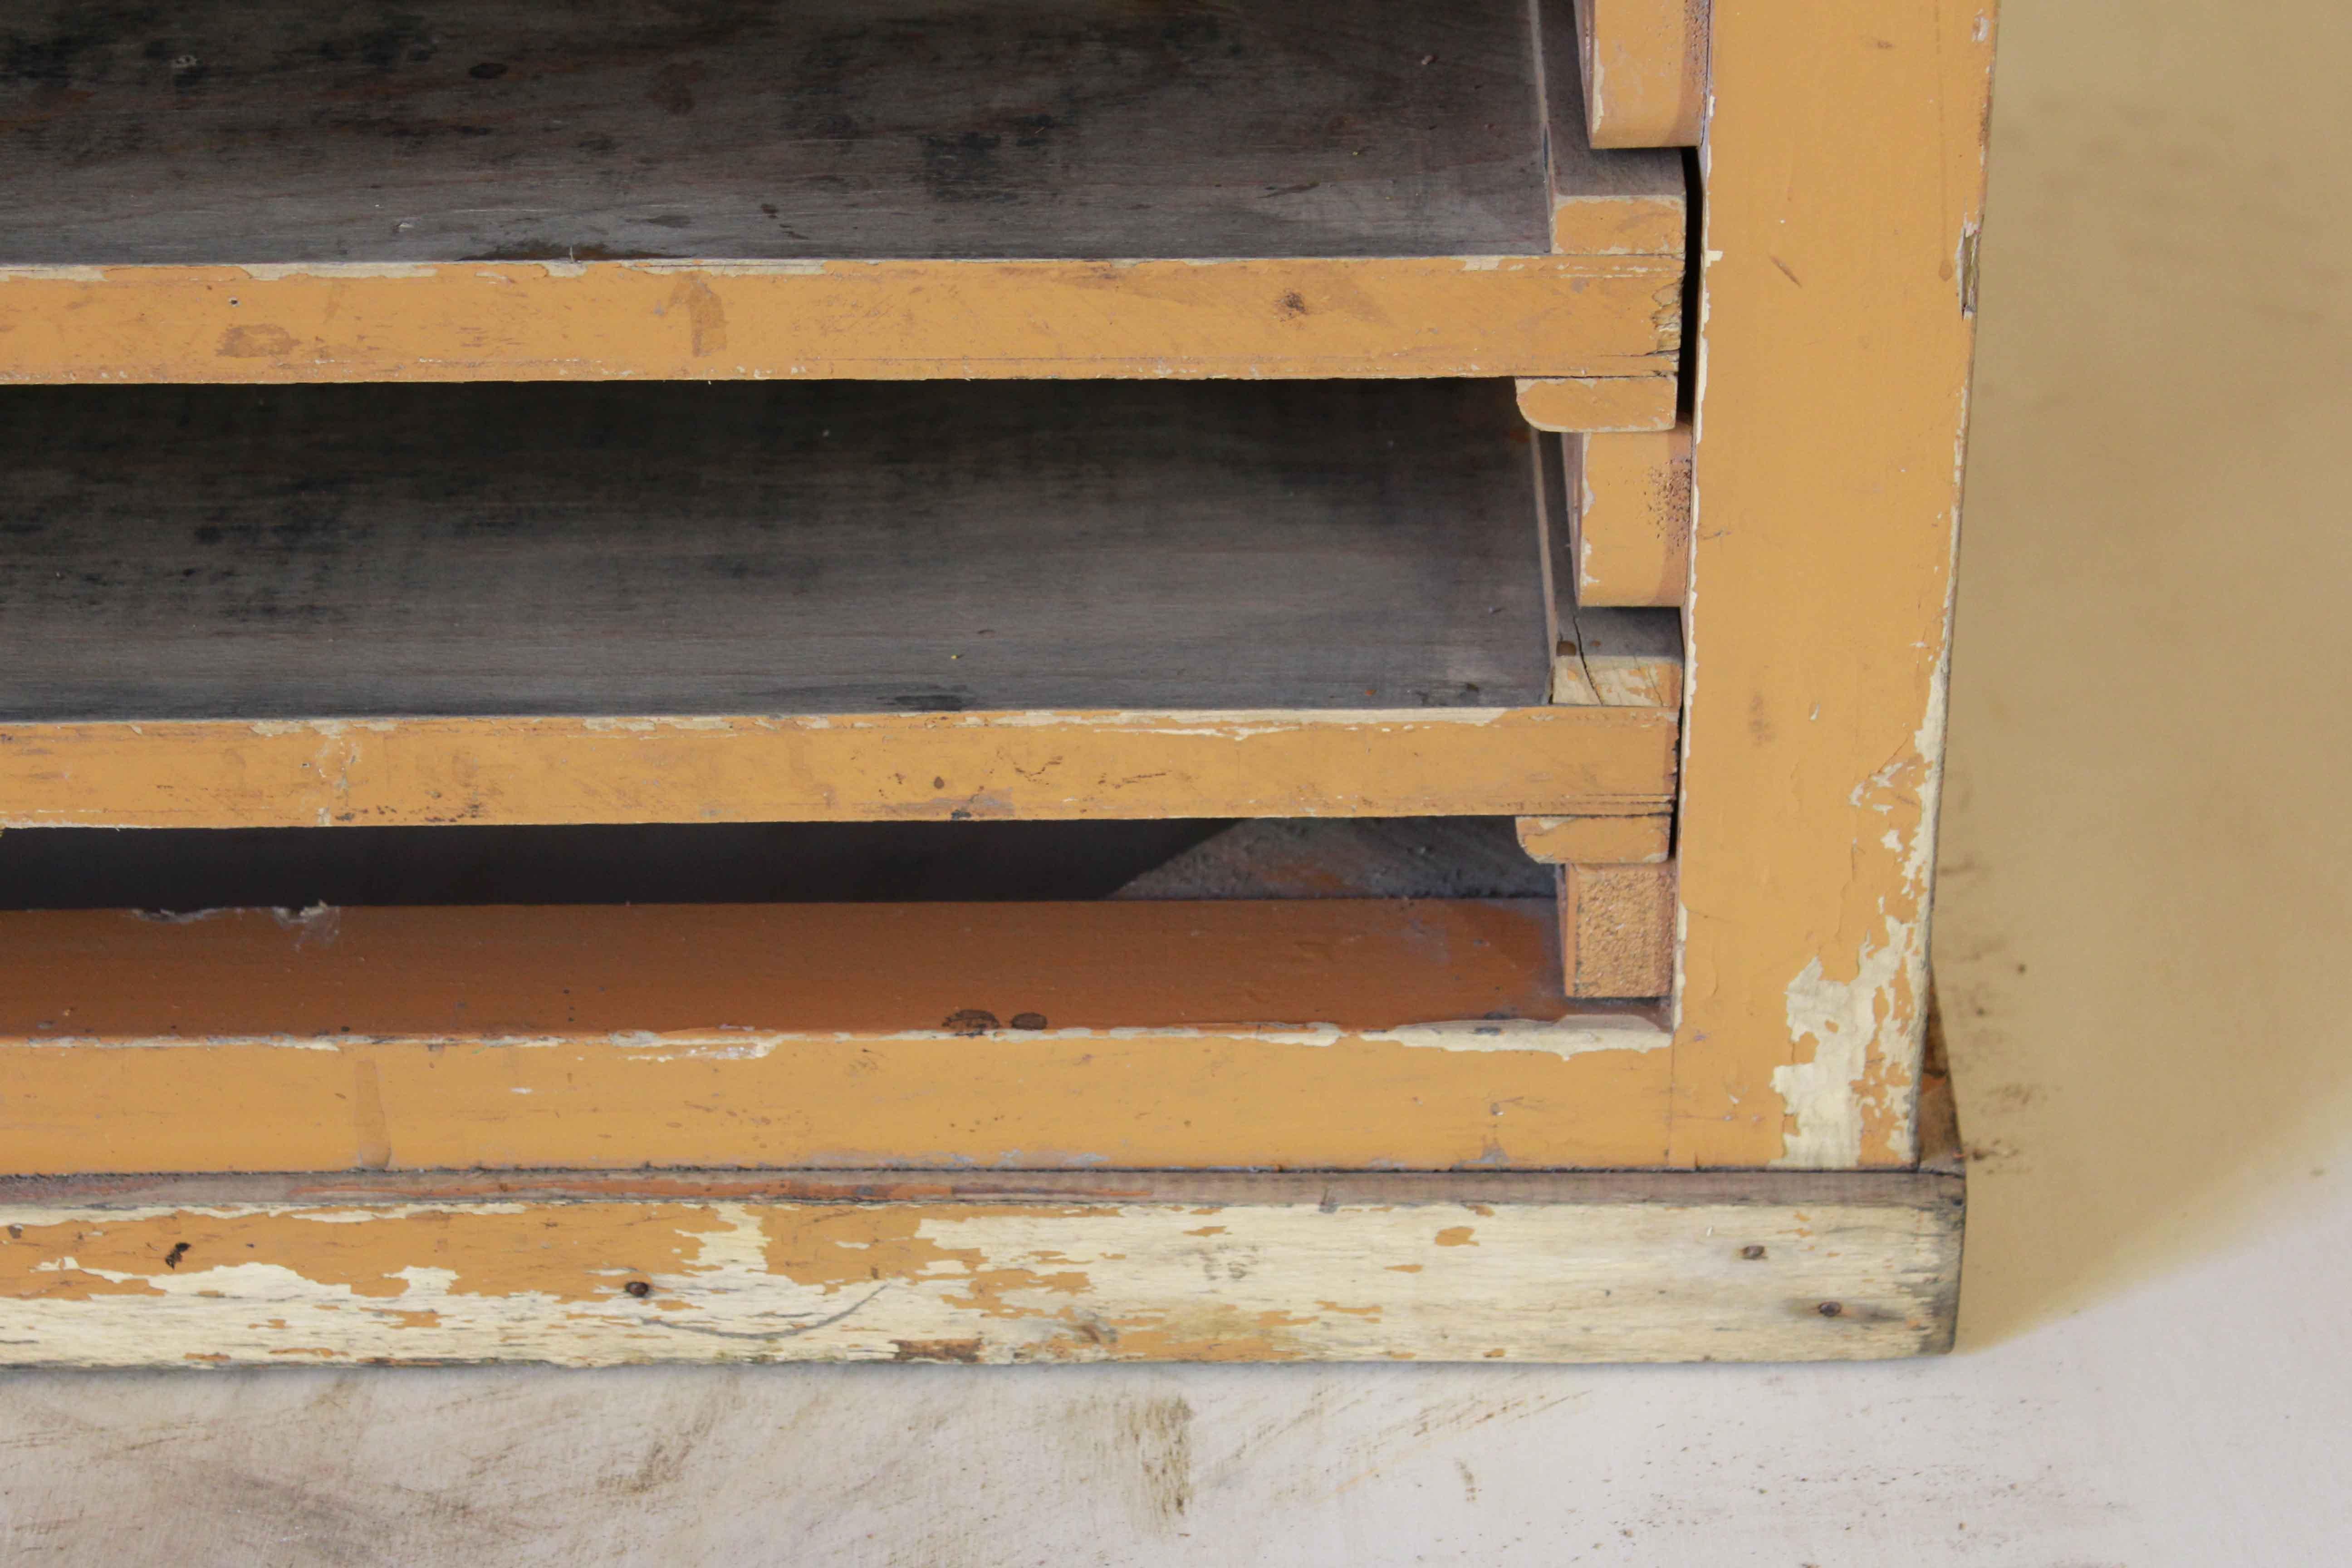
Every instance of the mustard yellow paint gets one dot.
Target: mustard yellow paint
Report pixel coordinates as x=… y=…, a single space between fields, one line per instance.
x=1645 y=65
x=1131 y=1034
x=1597 y=840
x=1839 y=290
x=1415 y=316
x=1632 y=510
x=904 y=767
x=1598 y=403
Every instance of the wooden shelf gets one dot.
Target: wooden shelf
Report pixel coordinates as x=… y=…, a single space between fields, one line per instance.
x=386 y=604
x=258 y=190
x=1120 y=1033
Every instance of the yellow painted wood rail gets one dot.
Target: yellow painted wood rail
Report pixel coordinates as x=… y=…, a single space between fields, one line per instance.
x=1430 y=1035
x=1554 y=761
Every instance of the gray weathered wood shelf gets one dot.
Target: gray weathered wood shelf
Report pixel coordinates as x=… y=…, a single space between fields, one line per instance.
x=872 y=187
x=280 y=132
x=281 y=606
x=354 y=553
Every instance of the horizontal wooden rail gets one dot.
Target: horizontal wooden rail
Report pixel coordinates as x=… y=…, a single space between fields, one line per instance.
x=975 y=1266
x=1531 y=761
x=1598 y=316
x=1322 y=1031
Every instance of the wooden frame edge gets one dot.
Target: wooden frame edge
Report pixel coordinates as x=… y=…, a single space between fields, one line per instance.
x=1839 y=302
x=1572 y=315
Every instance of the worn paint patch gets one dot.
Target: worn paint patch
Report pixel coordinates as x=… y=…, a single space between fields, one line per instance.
x=1850 y=1100
x=615 y=1280
x=572 y=1252
x=845 y=1247
x=1846 y=1022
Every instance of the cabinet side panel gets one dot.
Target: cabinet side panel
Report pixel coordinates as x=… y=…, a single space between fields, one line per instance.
x=1838 y=295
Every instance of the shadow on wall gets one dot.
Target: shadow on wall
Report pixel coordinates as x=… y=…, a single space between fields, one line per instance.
x=2146 y=855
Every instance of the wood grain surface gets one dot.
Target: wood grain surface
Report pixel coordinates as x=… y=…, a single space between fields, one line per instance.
x=277 y=131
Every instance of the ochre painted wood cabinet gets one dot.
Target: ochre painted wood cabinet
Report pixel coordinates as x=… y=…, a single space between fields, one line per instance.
x=957 y=681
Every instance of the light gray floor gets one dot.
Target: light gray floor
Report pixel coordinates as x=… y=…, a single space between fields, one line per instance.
x=2141 y=944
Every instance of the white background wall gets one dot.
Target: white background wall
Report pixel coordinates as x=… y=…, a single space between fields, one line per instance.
x=2141 y=944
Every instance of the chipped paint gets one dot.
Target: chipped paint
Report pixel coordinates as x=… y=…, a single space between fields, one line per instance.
x=1833 y=374
x=1844 y=1021
x=1866 y=1031
x=619 y=1281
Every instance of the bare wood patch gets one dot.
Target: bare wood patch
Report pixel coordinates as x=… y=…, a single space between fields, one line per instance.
x=1617 y=929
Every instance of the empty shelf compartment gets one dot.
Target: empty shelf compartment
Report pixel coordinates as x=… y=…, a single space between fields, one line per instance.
x=231 y=606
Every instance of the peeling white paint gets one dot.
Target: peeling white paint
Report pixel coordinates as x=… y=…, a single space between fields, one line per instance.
x=275 y=271
x=1006 y=1280
x=779 y=269
x=1239 y=722
x=1881 y=1011
x=1218 y=723
x=1843 y=1019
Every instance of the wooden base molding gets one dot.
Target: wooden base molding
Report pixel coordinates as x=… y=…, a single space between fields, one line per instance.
x=582 y=1269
